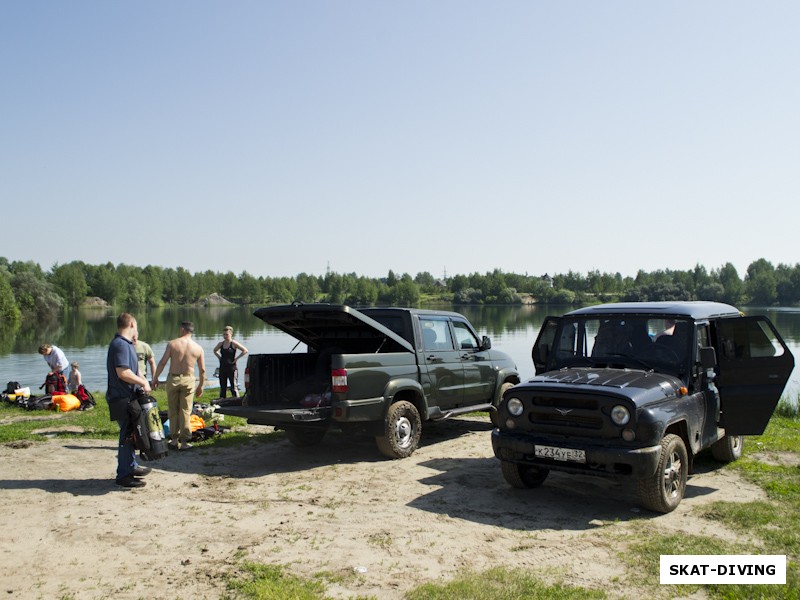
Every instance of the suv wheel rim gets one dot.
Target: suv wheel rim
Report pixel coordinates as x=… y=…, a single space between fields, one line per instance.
x=403 y=430
x=672 y=475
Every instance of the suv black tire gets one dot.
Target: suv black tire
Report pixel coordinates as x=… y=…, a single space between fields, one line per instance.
x=728 y=449
x=663 y=491
x=303 y=438
x=523 y=476
x=402 y=430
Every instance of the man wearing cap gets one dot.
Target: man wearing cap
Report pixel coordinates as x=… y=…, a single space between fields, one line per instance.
x=183 y=353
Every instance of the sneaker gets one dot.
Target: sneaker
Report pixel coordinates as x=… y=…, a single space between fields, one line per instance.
x=172 y=445
x=141 y=471
x=185 y=446
x=130 y=482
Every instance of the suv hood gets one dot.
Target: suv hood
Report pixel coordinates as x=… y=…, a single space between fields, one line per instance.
x=639 y=386
x=325 y=325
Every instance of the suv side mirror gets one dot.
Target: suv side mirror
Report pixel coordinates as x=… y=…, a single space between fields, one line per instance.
x=708 y=357
x=486 y=343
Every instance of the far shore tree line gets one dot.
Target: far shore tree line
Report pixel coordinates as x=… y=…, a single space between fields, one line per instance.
x=29 y=292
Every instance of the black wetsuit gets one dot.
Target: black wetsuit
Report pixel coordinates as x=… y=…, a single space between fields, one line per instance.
x=227 y=371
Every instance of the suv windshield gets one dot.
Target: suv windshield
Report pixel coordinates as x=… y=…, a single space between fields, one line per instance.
x=637 y=342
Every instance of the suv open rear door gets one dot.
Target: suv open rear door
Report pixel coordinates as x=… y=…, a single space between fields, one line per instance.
x=754 y=365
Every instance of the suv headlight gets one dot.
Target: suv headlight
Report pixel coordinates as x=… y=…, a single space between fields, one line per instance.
x=620 y=415
x=514 y=406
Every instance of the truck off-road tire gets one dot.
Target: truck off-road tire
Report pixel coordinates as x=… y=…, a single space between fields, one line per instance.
x=303 y=438
x=663 y=491
x=523 y=476
x=728 y=449
x=493 y=415
x=402 y=430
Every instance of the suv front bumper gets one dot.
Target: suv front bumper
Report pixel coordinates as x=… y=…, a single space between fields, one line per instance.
x=600 y=460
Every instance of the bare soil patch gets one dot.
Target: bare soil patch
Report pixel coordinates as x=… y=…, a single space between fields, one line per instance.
x=377 y=526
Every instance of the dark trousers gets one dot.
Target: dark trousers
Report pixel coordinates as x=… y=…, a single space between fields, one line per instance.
x=228 y=376
x=126 y=454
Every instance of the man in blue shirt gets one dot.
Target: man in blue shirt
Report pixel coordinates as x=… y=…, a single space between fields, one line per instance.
x=123 y=382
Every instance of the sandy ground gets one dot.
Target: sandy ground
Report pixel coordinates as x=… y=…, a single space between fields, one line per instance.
x=377 y=526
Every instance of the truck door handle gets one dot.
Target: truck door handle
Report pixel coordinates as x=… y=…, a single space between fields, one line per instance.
x=466 y=356
x=434 y=358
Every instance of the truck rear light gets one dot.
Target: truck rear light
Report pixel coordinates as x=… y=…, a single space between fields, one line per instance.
x=339 y=380
x=247 y=378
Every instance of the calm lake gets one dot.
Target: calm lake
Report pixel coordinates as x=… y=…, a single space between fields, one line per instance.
x=84 y=336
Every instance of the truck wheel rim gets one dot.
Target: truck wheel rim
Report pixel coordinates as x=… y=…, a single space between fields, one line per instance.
x=672 y=475
x=403 y=430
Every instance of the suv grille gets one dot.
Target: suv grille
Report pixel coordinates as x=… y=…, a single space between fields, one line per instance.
x=567 y=414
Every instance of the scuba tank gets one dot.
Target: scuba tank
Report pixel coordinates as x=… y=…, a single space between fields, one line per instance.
x=148 y=430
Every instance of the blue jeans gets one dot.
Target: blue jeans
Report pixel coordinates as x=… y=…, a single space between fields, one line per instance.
x=126 y=455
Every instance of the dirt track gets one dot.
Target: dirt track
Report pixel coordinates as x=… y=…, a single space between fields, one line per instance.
x=380 y=526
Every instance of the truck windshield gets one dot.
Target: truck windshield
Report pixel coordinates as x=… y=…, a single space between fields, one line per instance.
x=640 y=342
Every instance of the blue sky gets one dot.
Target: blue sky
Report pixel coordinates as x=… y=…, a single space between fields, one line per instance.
x=283 y=137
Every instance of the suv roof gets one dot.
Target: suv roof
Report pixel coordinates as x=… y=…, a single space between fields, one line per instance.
x=693 y=310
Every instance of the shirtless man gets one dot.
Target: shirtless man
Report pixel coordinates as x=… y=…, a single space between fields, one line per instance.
x=183 y=353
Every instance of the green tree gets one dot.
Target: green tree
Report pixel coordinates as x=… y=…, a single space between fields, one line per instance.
x=135 y=293
x=364 y=292
x=249 y=288
x=657 y=291
x=230 y=285
x=761 y=283
x=405 y=293
x=187 y=289
x=9 y=311
x=280 y=290
x=336 y=288
x=207 y=283
x=426 y=282
x=729 y=278
x=307 y=288
x=70 y=283
x=35 y=297
x=103 y=282
x=153 y=281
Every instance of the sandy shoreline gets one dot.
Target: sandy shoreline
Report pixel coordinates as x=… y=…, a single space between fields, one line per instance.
x=381 y=526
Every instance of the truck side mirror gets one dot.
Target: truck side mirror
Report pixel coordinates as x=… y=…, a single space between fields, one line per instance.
x=708 y=357
x=486 y=343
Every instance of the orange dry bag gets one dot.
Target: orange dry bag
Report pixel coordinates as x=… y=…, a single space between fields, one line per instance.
x=65 y=402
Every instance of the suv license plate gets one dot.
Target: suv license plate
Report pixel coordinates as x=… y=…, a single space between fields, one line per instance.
x=562 y=454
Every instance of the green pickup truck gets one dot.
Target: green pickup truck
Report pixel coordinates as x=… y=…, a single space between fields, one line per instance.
x=374 y=371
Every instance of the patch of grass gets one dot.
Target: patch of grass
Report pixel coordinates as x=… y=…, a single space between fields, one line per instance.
x=774 y=522
x=97 y=424
x=782 y=435
x=268 y=582
x=789 y=409
x=643 y=559
x=273 y=582
x=382 y=539
x=501 y=584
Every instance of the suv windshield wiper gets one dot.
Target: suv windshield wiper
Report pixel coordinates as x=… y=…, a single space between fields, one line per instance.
x=635 y=359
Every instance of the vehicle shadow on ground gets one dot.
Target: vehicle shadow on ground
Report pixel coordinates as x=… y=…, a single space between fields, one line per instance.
x=474 y=489
x=277 y=455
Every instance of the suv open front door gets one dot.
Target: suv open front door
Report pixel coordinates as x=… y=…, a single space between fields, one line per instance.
x=543 y=347
x=754 y=366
